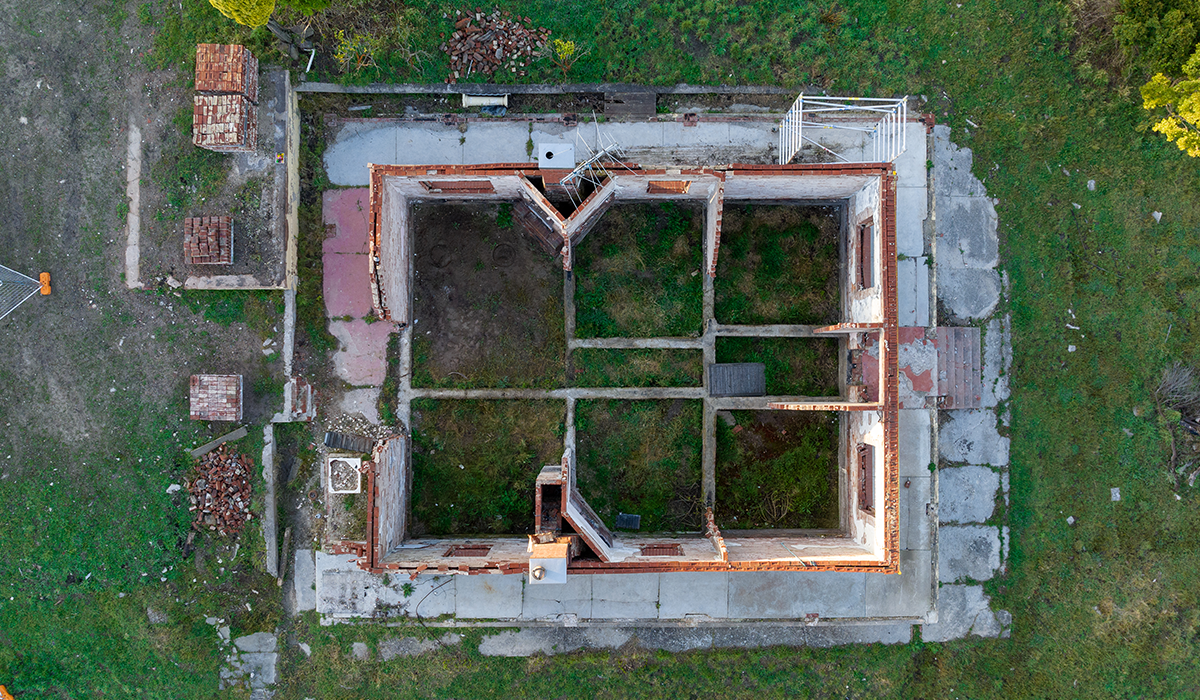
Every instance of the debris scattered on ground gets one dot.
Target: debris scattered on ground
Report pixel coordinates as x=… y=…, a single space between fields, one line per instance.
x=220 y=493
x=484 y=43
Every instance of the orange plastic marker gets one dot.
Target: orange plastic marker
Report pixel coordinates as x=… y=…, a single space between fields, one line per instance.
x=44 y=278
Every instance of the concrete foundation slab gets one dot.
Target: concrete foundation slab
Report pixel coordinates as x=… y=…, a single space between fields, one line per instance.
x=962 y=611
x=967 y=552
x=912 y=208
x=361 y=359
x=909 y=594
x=790 y=594
x=304 y=583
x=837 y=635
x=966 y=232
x=675 y=639
x=997 y=359
x=971 y=436
x=625 y=596
x=548 y=601
x=916 y=442
x=491 y=596
x=968 y=294
x=413 y=646
x=952 y=167
x=364 y=402
x=915 y=520
x=683 y=594
x=966 y=494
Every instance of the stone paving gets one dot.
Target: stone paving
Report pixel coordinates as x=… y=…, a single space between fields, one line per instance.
x=952 y=533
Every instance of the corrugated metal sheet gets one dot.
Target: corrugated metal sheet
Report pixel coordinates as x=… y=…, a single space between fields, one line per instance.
x=737 y=379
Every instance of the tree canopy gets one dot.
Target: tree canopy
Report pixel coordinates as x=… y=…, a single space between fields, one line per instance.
x=1181 y=99
x=252 y=13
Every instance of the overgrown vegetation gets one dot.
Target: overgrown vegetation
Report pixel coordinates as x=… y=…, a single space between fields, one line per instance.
x=474 y=464
x=778 y=264
x=643 y=458
x=645 y=368
x=794 y=366
x=638 y=274
x=186 y=175
x=777 y=469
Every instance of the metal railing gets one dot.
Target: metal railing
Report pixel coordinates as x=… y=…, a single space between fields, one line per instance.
x=881 y=119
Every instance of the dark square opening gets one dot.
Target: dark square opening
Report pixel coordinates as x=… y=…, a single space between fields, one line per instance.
x=468 y=550
x=866 y=478
x=866 y=255
x=662 y=550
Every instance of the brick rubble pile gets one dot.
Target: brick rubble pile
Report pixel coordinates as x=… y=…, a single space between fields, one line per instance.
x=485 y=43
x=220 y=493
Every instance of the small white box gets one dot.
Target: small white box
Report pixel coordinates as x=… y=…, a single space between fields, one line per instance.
x=345 y=470
x=556 y=156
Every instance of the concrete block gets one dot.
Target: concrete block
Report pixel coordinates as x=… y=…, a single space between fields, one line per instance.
x=966 y=494
x=968 y=294
x=907 y=594
x=304 y=574
x=967 y=552
x=912 y=208
x=693 y=593
x=431 y=595
x=553 y=640
x=911 y=170
x=963 y=611
x=997 y=359
x=923 y=317
x=965 y=228
x=364 y=402
x=675 y=639
x=488 y=596
x=343 y=590
x=906 y=291
x=791 y=594
x=625 y=596
x=916 y=442
x=759 y=636
x=971 y=436
x=824 y=636
x=413 y=646
x=546 y=601
x=952 y=167
x=915 y=521
x=257 y=642
x=360 y=651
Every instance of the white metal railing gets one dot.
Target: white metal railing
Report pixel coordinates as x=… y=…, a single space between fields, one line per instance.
x=15 y=288
x=882 y=119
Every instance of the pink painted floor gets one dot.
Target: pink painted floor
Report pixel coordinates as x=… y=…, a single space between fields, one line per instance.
x=917 y=365
x=346 y=285
x=362 y=357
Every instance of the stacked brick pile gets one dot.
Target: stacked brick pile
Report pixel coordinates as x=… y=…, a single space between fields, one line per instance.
x=208 y=240
x=485 y=43
x=226 y=69
x=224 y=115
x=216 y=397
x=220 y=493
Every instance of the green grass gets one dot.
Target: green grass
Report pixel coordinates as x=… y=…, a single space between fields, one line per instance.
x=500 y=445
x=638 y=274
x=185 y=174
x=778 y=470
x=778 y=264
x=794 y=366
x=178 y=26
x=641 y=457
x=593 y=367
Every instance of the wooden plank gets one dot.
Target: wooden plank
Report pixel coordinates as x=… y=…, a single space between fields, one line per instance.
x=209 y=447
x=630 y=104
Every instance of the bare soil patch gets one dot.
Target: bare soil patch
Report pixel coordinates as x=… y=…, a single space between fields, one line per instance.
x=488 y=302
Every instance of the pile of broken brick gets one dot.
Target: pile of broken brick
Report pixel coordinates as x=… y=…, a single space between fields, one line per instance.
x=484 y=43
x=220 y=493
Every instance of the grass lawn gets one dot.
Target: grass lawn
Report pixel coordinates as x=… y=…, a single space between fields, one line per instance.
x=777 y=469
x=778 y=264
x=794 y=366
x=637 y=274
x=643 y=458
x=594 y=367
x=474 y=463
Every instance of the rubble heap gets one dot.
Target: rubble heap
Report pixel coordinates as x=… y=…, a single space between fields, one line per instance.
x=485 y=43
x=220 y=493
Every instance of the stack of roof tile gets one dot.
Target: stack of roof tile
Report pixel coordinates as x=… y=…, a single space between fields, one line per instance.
x=208 y=240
